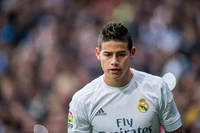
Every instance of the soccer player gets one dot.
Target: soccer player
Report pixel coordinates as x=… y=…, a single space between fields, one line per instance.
x=123 y=99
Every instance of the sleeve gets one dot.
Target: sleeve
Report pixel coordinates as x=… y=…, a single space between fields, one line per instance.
x=169 y=116
x=77 y=117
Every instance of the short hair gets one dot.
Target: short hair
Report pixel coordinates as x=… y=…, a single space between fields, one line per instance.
x=114 y=31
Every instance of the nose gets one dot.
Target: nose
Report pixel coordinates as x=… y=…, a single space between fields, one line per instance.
x=114 y=60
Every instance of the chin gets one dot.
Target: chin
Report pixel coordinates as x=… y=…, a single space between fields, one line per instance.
x=115 y=77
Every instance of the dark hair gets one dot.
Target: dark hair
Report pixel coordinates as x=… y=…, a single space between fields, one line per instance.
x=115 y=31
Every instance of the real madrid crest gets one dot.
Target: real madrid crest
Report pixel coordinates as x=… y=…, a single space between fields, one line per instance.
x=143 y=106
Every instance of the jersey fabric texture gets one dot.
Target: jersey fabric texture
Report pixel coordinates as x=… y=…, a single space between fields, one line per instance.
x=142 y=106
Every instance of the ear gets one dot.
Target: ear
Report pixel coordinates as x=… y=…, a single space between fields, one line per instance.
x=133 y=50
x=97 y=51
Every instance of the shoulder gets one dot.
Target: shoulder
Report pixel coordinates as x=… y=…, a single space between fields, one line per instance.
x=148 y=78
x=87 y=92
x=154 y=89
x=150 y=83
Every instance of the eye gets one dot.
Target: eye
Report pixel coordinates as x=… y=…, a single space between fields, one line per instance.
x=107 y=54
x=122 y=54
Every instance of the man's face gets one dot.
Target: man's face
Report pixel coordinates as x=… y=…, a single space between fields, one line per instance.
x=115 y=59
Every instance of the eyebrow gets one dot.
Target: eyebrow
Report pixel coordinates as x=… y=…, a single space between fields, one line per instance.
x=123 y=51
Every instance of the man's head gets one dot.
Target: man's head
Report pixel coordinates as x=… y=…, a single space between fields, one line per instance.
x=116 y=32
x=115 y=52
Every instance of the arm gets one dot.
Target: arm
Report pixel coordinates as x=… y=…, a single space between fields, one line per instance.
x=77 y=117
x=77 y=124
x=179 y=130
x=168 y=113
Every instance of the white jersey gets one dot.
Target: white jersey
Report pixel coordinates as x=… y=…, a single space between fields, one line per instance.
x=142 y=106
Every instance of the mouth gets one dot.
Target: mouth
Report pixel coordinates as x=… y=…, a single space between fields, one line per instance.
x=115 y=70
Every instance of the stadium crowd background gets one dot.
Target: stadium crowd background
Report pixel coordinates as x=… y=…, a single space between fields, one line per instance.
x=47 y=53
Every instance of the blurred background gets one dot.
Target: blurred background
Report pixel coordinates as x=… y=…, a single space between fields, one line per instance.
x=47 y=53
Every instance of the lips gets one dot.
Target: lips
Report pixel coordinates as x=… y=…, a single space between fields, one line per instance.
x=115 y=69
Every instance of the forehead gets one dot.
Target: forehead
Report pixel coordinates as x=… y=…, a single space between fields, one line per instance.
x=114 y=46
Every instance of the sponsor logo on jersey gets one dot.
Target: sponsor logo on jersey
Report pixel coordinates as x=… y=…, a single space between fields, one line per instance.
x=100 y=112
x=143 y=106
x=132 y=130
x=126 y=125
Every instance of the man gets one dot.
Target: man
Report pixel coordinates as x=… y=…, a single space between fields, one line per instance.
x=122 y=100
